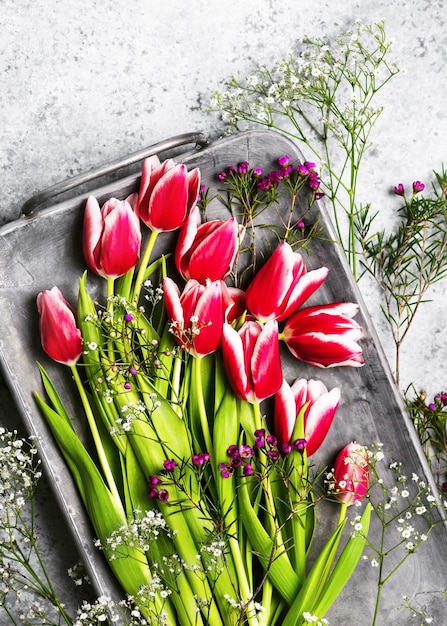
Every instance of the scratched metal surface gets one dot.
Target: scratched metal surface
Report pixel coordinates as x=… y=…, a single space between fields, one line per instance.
x=44 y=249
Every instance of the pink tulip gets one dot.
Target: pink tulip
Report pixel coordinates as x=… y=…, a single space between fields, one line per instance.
x=351 y=474
x=252 y=360
x=61 y=338
x=111 y=237
x=196 y=315
x=325 y=336
x=207 y=250
x=167 y=193
x=318 y=415
x=282 y=285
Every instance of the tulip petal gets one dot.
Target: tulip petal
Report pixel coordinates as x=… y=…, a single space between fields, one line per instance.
x=193 y=187
x=319 y=418
x=149 y=176
x=214 y=251
x=185 y=240
x=234 y=360
x=92 y=230
x=121 y=240
x=284 y=413
x=302 y=290
x=266 y=362
x=171 y=294
x=269 y=287
x=323 y=350
x=168 y=201
x=210 y=315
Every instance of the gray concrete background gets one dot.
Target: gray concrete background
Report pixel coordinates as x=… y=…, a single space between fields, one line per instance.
x=83 y=83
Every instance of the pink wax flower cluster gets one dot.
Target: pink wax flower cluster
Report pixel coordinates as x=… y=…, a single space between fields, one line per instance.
x=417 y=187
x=305 y=172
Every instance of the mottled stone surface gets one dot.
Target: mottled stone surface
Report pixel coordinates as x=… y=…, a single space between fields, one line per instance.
x=84 y=83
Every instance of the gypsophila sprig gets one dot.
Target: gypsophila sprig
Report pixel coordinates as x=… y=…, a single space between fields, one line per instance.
x=408 y=511
x=23 y=575
x=323 y=96
x=422 y=615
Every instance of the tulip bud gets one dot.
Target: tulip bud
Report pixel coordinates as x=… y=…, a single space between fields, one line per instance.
x=167 y=193
x=207 y=250
x=351 y=474
x=111 y=237
x=61 y=338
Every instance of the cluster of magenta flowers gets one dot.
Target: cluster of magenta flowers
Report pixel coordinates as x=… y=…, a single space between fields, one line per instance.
x=242 y=455
x=417 y=187
x=303 y=173
x=157 y=486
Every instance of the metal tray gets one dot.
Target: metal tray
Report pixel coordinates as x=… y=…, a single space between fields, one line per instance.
x=43 y=249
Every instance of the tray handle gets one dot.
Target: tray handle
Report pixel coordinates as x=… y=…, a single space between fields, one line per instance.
x=35 y=201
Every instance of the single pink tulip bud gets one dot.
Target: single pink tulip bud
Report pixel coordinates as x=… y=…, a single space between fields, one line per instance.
x=207 y=250
x=325 y=336
x=61 y=338
x=351 y=474
x=318 y=416
x=252 y=360
x=167 y=193
x=196 y=315
x=282 y=285
x=111 y=237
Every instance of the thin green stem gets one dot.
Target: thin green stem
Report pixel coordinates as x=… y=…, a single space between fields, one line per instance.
x=96 y=437
x=203 y=416
x=143 y=265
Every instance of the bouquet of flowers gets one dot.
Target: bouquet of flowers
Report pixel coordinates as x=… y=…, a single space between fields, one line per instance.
x=198 y=483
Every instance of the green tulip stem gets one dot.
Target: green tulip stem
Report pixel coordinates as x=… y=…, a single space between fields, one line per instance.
x=274 y=530
x=96 y=437
x=197 y=382
x=143 y=265
x=300 y=488
x=110 y=293
x=343 y=511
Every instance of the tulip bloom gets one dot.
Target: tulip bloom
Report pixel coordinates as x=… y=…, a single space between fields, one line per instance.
x=196 y=315
x=318 y=416
x=166 y=195
x=351 y=474
x=325 y=336
x=252 y=360
x=207 y=250
x=111 y=237
x=61 y=338
x=282 y=285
